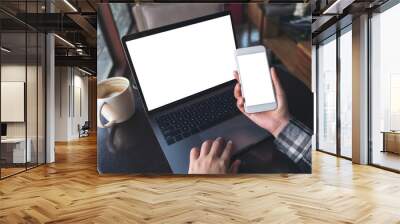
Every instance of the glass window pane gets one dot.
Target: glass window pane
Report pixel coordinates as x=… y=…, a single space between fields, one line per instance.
x=31 y=98
x=346 y=94
x=104 y=59
x=327 y=96
x=13 y=87
x=385 y=88
x=32 y=89
x=41 y=99
x=122 y=17
x=23 y=91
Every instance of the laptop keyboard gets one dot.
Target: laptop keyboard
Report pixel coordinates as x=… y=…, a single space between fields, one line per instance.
x=189 y=120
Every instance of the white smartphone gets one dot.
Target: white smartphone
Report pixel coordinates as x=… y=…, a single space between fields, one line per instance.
x=255 y=79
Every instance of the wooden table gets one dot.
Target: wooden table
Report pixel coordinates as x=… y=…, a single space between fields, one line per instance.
x=391 y=141
x=131 y=147
x=13 y=151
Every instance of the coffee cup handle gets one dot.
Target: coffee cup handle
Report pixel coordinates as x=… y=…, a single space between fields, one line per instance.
x=99 y=123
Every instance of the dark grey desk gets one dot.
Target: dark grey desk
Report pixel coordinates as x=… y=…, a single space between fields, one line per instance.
x=131 y=147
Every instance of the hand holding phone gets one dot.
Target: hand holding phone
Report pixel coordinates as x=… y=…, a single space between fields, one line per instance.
x=273 y=121
x=255 y=79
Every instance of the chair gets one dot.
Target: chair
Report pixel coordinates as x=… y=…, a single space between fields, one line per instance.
x=152 y=15
x=84 y=130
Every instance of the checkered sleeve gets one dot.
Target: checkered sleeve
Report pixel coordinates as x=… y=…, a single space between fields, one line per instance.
x=295 y=142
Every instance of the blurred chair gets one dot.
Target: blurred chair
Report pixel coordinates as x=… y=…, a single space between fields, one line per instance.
x=84 y=130
x=294 y=54
x=152 y=15
x=279 y=9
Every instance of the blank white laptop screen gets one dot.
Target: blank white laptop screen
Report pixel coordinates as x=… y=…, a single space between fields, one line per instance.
x=181 y=62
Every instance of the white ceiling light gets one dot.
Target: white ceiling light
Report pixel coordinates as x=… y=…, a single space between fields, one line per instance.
x=5 y=50
x=70 y=5
x=65 y=41
x=79 y=51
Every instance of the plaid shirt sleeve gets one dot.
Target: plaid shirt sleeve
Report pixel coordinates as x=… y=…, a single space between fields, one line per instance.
x=295 y=142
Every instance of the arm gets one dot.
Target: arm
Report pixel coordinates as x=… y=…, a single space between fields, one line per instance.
x=291 y=137
x=295 y=141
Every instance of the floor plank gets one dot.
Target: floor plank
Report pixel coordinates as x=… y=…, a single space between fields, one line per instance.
x=71 y=191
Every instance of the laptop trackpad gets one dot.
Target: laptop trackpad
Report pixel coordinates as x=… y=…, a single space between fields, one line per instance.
x=240 y=130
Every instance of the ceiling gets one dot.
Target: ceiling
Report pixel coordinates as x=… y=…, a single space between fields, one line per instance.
x=332 y=15
x=74 y=21
x=19 y=53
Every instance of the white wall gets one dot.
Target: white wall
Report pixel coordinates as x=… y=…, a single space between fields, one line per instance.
x=9 y=73
x=70 y=83
x=33 y=126
x=16 y=72
x=81 y=89
x=61 y=103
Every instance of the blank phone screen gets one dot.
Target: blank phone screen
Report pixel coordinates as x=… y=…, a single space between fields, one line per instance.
x=255 y=79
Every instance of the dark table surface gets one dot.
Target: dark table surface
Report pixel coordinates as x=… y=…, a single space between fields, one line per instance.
x=131 y=147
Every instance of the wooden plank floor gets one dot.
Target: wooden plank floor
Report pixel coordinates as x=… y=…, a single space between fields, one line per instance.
x=71 y=191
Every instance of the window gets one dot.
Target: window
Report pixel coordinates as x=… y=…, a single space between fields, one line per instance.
x=104 y=59
x=22 y=75
x=327 y=96
x=122 y=17
x=346 y=92
x=334 y=106
x=394 y=102
x=385 y=89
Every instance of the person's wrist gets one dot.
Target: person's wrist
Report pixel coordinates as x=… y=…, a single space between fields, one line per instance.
x=281 y=123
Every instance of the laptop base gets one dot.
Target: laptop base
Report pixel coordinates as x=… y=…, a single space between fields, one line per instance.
x=243 y=133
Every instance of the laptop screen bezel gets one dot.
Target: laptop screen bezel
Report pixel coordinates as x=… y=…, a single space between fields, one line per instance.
x=157 y=30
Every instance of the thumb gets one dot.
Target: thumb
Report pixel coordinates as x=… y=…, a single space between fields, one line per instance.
x=235 y=166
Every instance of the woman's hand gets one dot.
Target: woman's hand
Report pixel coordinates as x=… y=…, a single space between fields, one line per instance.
x=213 y=158
x=273 y=121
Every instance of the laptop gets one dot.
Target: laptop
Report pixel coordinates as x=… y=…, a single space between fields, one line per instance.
x=184 y=74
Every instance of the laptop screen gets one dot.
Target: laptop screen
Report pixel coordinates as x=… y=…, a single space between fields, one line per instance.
x=180 y=62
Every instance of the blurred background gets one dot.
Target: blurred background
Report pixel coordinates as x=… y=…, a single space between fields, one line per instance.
x=285 y=29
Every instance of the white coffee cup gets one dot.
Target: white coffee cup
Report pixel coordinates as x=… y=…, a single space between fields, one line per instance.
x=115 y=101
